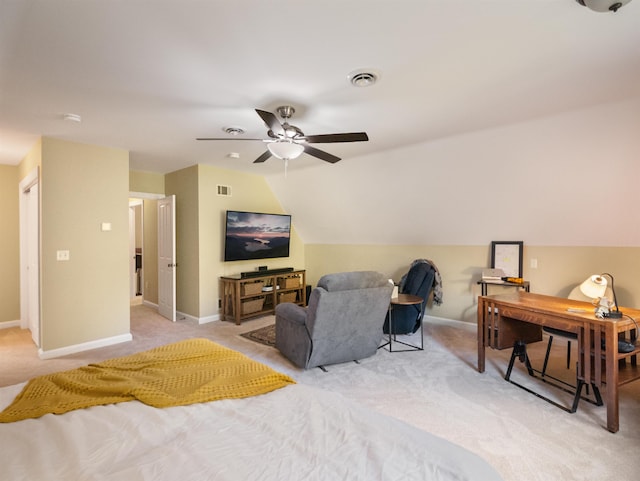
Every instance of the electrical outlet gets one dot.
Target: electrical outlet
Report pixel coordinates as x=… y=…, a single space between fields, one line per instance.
x=62 y=255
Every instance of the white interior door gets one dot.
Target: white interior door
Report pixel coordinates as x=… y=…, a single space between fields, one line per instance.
x=33 y=261
x=167 y=257
x=30 y=255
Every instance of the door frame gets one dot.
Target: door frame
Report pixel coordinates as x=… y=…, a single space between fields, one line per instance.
x=136 y=214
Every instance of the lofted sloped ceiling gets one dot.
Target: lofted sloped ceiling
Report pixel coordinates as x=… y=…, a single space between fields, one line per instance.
x=151 y=76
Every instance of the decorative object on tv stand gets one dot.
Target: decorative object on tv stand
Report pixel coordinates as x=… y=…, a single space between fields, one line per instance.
x=595 y=287
x=603 y=5
x=255 y=235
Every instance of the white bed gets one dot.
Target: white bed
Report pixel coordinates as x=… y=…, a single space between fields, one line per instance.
x=294 y=433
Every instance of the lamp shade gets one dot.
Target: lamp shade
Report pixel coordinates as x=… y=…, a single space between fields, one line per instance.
x=603 y=5
x=594 y=287
x=285 y=150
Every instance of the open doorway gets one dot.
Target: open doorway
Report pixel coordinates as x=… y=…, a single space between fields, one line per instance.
x=136 y=242
x=152 y=216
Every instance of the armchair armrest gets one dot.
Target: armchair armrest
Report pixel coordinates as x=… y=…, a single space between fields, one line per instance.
x=291 y=313
x=292 y=336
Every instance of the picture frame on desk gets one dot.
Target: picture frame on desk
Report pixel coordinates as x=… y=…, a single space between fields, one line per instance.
x=507 y=255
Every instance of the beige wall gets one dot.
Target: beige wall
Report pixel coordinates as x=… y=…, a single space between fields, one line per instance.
x=86 y=298
x=559 y=270
x=32 y=160
x=249 y=193
x=9 y=244
x=200 y=231
x=148 y=182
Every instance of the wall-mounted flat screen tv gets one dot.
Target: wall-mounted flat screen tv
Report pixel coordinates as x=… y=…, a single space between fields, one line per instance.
x=253 y=235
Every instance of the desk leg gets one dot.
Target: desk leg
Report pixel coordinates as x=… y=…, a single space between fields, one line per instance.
x=390 y=328
x=611 y=366
x=482 y=332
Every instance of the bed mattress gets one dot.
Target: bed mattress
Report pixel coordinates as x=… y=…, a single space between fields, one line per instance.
x=294 y=433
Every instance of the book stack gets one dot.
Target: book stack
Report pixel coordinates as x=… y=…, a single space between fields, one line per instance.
x=493 y=275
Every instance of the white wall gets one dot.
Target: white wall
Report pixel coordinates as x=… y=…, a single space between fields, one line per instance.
x=565 y=185
x=567 y=180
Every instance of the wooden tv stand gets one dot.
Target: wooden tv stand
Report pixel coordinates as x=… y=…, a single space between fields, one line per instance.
x=247 y=297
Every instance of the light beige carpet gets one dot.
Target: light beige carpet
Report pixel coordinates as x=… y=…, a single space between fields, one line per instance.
x=438 y=390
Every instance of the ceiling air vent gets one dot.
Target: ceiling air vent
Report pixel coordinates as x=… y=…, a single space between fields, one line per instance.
x=224 y=190
x=363 y=78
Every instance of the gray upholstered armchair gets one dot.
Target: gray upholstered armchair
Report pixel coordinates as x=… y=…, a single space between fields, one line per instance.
x=343 y=321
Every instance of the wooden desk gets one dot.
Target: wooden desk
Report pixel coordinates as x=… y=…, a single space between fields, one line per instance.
x=602 y=367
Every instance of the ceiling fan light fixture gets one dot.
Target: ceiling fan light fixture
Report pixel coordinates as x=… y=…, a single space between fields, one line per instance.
x=285 y=150
x=363 y=78
x=603 y=5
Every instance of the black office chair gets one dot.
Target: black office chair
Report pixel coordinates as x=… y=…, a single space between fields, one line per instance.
x=419 y=281
x=576 y=295
x=568 y=335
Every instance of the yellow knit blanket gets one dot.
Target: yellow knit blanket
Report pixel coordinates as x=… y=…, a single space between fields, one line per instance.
x=187 y=372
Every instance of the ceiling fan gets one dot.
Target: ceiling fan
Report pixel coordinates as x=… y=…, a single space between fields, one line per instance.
x=287 y=141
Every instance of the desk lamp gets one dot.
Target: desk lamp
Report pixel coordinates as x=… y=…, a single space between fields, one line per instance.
x=595 y=287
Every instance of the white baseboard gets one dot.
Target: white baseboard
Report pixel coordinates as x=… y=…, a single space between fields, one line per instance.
x=200 y=320
x=8 y=324
x=180 y=316
x=205 y=320
x=456 y=322
x=85 y=346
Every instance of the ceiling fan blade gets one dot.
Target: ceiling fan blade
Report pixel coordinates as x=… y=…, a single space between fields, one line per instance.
x=225 y=138
x=321 y=154
x=263 y=157
x=329 y=138
x=271 y=121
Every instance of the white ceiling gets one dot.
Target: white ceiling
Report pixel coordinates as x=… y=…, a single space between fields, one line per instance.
x=151 y=76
